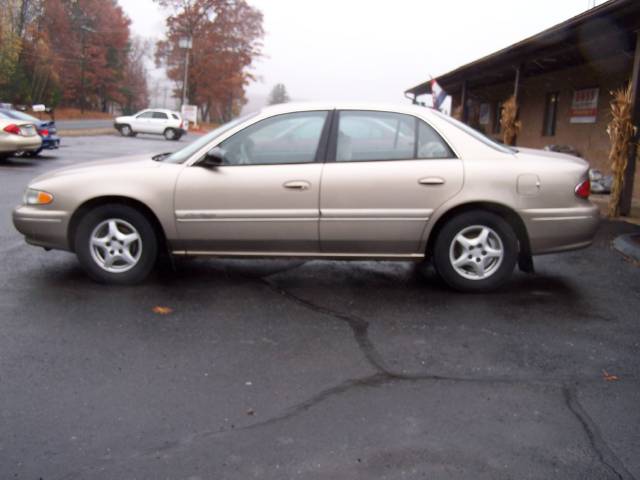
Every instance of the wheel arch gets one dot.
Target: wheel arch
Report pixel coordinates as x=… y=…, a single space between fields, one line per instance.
x=90 y=204
x=525 y=261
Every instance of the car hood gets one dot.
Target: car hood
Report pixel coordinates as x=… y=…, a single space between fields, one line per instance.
x=122 y=164
x=542 y=155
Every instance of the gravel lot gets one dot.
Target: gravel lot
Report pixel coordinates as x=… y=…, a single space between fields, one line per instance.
x=314 y=370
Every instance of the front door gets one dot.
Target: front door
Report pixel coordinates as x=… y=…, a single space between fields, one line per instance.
x=263 y=198
x=142 y=122
x=387 y=175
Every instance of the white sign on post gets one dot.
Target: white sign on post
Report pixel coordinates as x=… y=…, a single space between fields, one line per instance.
x=190 y=113
x=584 y=106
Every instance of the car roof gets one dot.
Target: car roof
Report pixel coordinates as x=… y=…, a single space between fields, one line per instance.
x=164 y=110
x=381 y=107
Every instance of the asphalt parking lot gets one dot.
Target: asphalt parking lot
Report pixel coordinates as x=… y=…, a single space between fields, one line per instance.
x=314 y=370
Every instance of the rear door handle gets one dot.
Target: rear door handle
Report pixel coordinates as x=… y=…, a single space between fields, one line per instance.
x=297 y=185
x=431 y=181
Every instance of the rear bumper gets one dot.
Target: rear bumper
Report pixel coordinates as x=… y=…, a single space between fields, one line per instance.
x=17 y=143
x=561 y=229
x=44 y=228
x=51 y=143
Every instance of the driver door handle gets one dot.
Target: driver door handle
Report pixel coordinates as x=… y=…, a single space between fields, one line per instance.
x=297 y=185
x=431 y=181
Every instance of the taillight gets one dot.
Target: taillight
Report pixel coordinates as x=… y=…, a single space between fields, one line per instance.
x=12 y=128
x=44 y=132
x=583 y=189
x=181 y=123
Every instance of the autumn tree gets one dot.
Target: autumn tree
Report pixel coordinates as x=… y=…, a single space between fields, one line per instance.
x=278 y=94
x=226 y=37
x=70 y=52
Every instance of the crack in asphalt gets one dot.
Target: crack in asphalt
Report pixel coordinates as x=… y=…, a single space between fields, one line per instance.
x=604 y=453
x=360 y=327
x=384 y=375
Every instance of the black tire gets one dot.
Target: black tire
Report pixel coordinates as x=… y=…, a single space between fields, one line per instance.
x=89 y=256
x=171 y=134
x=126 y=130
x=465 y=277
x=34 y=154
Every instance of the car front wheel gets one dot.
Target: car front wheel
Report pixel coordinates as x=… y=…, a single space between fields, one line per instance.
x=476 y=251
x=126 y=131
x=116 y=244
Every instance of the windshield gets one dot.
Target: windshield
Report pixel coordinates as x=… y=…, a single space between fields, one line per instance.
x=20 y=116
x=475 y=133
x=183 y=154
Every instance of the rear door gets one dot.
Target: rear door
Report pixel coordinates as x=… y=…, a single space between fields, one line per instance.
x=159 y=121
x=386 y=174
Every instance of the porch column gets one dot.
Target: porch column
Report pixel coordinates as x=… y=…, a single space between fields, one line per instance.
x=516 y=85
x=629 y=173
x=463 y=102
x=516 y=96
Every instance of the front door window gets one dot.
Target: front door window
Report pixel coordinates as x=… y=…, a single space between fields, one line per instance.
x=283 y=139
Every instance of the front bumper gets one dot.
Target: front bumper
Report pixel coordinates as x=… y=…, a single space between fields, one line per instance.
x=42 y=227
x=561 y=229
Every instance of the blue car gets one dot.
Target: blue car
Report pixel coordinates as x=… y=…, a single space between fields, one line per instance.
x=46 y=129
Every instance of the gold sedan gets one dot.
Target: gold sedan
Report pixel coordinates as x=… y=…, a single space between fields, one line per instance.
x=321 y=181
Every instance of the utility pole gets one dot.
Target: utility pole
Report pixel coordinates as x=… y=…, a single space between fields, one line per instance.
x=185 y=43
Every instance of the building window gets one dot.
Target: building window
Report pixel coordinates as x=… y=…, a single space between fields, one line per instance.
x=497 y=113
x=550 y=114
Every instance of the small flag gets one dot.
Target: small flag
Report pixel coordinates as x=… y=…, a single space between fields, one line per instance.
x=439 y=95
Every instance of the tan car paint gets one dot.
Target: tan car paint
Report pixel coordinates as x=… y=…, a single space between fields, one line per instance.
x=361 y=209
x=10 y=143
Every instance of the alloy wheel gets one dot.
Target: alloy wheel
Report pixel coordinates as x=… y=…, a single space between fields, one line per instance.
x=476 y=252
x=115 y=245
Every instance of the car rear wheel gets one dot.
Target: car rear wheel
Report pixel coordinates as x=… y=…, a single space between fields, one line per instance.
x=171 y=134
x=476 y=251
x=126 y=131
x=116 y=244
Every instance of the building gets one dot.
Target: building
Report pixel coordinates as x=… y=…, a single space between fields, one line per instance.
x=562 y=79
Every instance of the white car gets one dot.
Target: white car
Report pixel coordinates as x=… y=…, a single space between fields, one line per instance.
x=156 y=121
x=18 y=136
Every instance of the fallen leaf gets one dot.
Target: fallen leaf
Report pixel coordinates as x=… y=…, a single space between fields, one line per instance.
x=162 y=310
x=608 y=377
x=250 y=411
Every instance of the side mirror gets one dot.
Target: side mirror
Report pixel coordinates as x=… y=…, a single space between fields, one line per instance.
x=213 y=158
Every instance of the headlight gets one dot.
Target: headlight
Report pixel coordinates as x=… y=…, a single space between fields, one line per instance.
x=37 y=197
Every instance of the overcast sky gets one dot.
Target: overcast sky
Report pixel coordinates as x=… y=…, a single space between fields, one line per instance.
x=373 y=50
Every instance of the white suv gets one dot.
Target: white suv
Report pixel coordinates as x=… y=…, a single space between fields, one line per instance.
x=155 y=121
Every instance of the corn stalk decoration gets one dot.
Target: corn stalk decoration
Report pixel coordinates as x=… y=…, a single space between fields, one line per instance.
x=621 y=132
x=509 y=121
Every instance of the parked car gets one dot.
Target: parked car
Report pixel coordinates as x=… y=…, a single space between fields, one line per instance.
x=321 y=181
x=17 y=136
x=46 y=129
x=155 y=121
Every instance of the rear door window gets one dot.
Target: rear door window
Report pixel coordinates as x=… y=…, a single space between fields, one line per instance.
x=370 y=136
